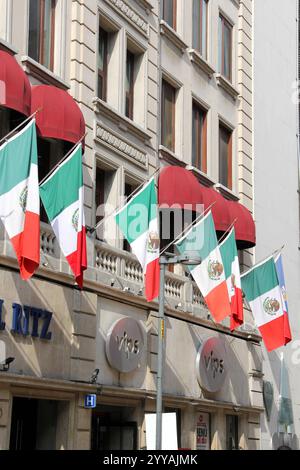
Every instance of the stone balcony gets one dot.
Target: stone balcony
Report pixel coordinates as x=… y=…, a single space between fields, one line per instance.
x=120 y=270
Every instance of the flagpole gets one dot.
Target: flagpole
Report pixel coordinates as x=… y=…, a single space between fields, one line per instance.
x=264 y=259
x=62 y=160
x=227 y=230
x=187 y=228
x=5 y=138
x=92 y=229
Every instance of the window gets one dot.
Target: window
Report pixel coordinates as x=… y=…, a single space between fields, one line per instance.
x=129 y=87
x=102 y=64
x=232 y=432
x=225 y=47
x=129 y=189
x=199 y=156
x=105 y=201
x=41 y=31
x=50 y=152
x=168 y=116
x=169 y=12
x=225 y=156
x=200 y=21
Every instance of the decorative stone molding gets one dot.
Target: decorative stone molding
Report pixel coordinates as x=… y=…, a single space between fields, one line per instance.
x=173 y=37
x=41 y=73
x=227 y=86
x=121 y=146
x=201 y=63
x=202 y=177
x=226 y=192
x=146 y=5
x=7 y=47
x=169 y=157
x=127 y=125
x=131 y=15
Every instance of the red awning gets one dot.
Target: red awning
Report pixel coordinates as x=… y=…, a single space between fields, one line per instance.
x=219 y=209
x=60 y=116
x=178 y=186
x=244 y=226
x=15 y=90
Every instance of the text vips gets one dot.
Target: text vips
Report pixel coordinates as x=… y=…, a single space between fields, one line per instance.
x=28 y=321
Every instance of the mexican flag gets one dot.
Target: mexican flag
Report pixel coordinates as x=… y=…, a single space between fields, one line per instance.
x=262 y=290
x=62 y=197
x=201 y=241
x=233 y=278
x=19 y=197
x=281 y=279
x=139 y=223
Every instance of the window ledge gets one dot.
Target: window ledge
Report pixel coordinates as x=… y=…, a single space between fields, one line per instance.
x=7 y=47
x=226 y=192
x=201 y=63
x=174 y=37
x=202 y=177
x=170 y=157
x=227 y=86
x=124 y=123
x=146 y=5
x=43 y=74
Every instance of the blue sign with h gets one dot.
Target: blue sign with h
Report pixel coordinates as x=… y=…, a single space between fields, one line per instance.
x=90 y=401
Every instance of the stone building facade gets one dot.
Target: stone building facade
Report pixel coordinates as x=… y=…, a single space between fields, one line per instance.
x=126 y=51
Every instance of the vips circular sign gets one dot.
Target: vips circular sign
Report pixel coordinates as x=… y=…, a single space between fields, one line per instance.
x=124 y=345
x=211 y=364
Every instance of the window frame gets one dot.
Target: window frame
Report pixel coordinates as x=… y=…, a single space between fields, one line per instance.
x=174 y=14
x=173 y=116
x=229 y=132
x=200 y=153
x=199 y=47
x=41 y=42
x=225 y=22
x=103 y=73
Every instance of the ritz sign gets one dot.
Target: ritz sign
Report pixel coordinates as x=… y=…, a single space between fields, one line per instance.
x=211 y=364
x=124 y=345
x=28 y=321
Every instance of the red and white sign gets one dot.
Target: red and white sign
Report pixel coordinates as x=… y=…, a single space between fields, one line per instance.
x=203 y=432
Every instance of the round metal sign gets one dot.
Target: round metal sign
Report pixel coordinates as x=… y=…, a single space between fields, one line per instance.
x=124 y=345
x=211 y=364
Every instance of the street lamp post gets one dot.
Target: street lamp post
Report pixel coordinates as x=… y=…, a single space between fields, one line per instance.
x=163 y=261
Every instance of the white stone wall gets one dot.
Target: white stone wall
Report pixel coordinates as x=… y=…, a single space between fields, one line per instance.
x=276 y=177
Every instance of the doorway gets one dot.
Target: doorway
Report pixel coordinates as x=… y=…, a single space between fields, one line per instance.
x=113 y=428
x=39 y=424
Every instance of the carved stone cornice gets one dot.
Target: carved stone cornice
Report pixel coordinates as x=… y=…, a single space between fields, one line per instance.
x=120 y=145
x=201 y=63
x=130 y=15
x=172 y=36
x=127 y=125
x=146 y=5
x=227 y=86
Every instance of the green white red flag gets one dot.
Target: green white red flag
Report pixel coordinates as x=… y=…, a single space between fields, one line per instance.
x=62 y=197
x=19 y=197
x=263 y=293
x=138 y=222
x=233 y=278
x=201 y=240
